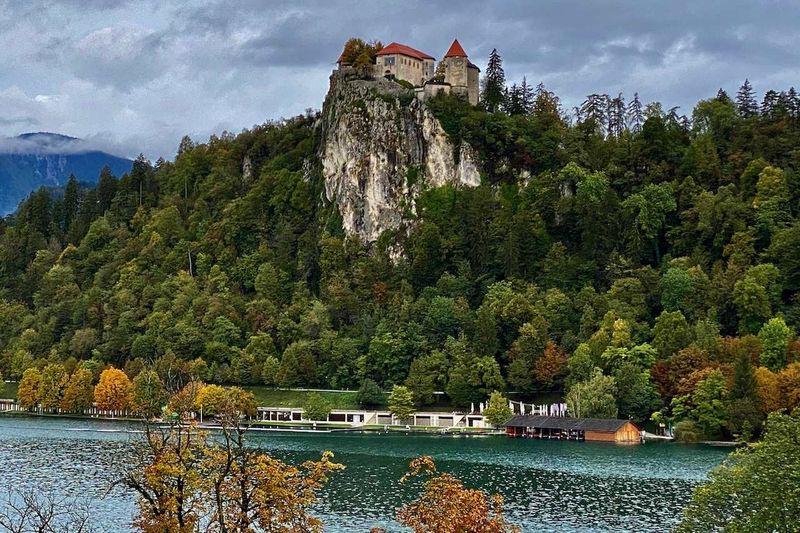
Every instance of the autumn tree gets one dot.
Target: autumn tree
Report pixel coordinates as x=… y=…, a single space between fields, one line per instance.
x=185 y=481
x=447 y=506
x=768 y=390
x=79 y=394
x=54 y=380
x=359 y=53
x=113 y=391
x=549 y=369
x=28 y=390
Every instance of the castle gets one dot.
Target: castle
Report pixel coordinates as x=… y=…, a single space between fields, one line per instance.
x=455 y=74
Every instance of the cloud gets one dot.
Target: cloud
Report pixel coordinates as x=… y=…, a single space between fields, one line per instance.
x=135 y=76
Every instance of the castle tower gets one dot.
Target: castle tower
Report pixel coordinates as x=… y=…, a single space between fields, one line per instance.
x=461 y=73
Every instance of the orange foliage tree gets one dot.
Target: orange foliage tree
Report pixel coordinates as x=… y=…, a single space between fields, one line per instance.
x=113 y=391
x=551 y=368
x=790 y=385
x=446 y=506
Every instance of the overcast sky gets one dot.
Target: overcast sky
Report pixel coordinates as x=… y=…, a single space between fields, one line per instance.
x=137 y=76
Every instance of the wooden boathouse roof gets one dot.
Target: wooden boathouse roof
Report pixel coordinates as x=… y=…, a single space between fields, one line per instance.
x=610 y=425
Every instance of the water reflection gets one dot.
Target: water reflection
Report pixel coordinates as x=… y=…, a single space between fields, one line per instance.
x=547 y=486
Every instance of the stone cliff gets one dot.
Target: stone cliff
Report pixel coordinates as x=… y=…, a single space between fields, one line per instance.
x=380 y=148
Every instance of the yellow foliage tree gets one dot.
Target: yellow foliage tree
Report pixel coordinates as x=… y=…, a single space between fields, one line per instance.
x=113 y=391
x=53 y=381
x=188 y=480
x=768 y=390
x=446 y=506
x=28 y=391
x=79 y=394
x=359 y=53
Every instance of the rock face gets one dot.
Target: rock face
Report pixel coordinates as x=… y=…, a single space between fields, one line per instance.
x=381 y=146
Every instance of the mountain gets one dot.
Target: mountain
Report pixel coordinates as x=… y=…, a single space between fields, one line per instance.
x=33 y=160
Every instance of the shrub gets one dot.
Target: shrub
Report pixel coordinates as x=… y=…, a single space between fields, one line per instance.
x=686 y=431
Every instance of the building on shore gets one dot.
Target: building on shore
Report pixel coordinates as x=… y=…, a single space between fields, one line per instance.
x=567 y=428
x=366 y=418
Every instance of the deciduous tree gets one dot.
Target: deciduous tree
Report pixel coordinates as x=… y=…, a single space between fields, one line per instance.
x=446 y=506
x=113 y=391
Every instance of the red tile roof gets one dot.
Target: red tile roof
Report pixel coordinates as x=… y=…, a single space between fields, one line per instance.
x=456 y=50
x=397 y=48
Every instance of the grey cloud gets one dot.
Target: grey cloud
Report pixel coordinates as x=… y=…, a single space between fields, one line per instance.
x=137 y=75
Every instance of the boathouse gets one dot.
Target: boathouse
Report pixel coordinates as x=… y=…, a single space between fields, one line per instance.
x=567 y=428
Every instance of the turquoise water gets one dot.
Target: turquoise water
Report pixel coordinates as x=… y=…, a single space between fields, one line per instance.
x=547 y=485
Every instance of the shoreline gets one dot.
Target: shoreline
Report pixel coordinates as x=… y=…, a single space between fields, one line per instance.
x=287 y=427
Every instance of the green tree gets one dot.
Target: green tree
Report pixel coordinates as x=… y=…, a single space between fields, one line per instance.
x=149 y=393
x=755 y=488
x=774 y=337
x=370 y=394
x=270 y=371
x=671 y=333
x=401 y=402
x=755 y=295
x=316 y=407
x=494 y=84
x=706 y=405
x=297 y=365
x=771 y=202
x=497 y=411
x=636 y=396
x=594 y=398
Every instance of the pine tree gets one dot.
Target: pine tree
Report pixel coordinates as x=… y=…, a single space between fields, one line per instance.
x=527 y=96
x=494 y=84
x=769 y=104
x=616 y=116
x=106 y=189
x=595 y=108
x=513 y=101
x=635 y=114
x=744 y=379
x=70 y=201
x=746 y=103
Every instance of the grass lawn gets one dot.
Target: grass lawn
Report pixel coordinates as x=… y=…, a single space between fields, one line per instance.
x=269 y=397
x=9 y=390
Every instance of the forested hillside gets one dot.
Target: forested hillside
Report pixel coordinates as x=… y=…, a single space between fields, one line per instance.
x=636 y=259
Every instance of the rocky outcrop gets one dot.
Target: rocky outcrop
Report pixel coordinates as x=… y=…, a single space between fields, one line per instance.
x=381 y=146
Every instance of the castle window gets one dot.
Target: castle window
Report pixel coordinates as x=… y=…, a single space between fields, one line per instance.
x=388 y=61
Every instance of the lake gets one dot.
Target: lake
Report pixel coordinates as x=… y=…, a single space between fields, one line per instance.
x=547 y=485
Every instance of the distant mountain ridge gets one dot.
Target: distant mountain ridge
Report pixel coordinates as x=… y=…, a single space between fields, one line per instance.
x=37 y=159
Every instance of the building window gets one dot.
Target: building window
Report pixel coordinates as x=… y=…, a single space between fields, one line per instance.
x=388 y=61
